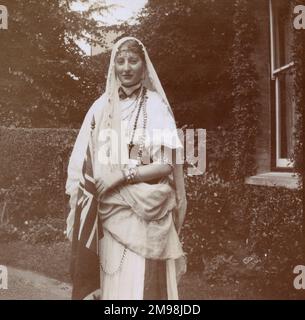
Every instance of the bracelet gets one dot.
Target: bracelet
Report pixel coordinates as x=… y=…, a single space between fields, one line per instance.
x=129 y=175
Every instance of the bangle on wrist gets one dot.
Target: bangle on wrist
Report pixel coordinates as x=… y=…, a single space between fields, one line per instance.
x=129 y=175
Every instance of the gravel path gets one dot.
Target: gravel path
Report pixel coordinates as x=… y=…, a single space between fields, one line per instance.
x=27 y=285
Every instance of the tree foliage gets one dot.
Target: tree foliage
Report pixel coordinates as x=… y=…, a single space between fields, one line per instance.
x=246 y=106
x=45 y=79
x=189 y=43
x=299 y=88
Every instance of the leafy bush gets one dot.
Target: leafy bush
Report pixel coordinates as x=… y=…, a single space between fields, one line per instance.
x=246 y=106
x=190 y=49
x=219 y=148
x=234 y=230
x=207 y=218
x=45 y=230
x=8 y=232
x=231 y=230
x=299 y=97
x=38 y=230
x=276 y=235
x=33 y=166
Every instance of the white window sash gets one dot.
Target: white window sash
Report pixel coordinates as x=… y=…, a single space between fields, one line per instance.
x=283 y=69
x=280 y=162
x=271 y=39
x=275 y=73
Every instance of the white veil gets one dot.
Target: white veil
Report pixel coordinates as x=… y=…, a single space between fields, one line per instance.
x=107 y=115
x=112 y=118
x=112 y=111
x=151 y=80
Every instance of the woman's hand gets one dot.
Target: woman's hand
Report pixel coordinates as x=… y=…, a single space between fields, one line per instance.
x=110 y=180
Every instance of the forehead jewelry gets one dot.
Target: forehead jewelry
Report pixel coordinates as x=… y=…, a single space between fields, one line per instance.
x=127 y=52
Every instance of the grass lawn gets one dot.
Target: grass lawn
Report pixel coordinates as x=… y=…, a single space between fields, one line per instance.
x=53 y=261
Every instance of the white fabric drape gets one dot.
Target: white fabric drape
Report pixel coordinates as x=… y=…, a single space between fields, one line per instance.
x=107 y=114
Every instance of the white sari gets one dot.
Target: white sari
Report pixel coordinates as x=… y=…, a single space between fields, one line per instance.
x=129 y=238
x=128 y=282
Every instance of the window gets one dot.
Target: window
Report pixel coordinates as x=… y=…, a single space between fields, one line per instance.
x=282 y=83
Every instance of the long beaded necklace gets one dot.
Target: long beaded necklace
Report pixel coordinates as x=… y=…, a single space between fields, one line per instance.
x=142 y=105
x=130 y=114
x=112 y=273
x=135 y=102
x=142 y=138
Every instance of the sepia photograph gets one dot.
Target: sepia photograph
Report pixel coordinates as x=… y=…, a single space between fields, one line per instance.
x=152 y=150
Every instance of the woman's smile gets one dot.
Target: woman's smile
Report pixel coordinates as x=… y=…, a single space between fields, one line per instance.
x=127 y=76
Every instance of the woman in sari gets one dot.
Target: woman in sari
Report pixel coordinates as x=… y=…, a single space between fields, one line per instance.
x=133 y=144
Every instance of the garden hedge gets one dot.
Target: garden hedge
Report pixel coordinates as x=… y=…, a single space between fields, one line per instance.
x=231 y=230
x=33 y=169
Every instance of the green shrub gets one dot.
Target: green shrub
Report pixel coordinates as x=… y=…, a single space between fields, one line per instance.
x=8 y=232
x=37 y=230
x=207 y=219
x=33 y=166
x=231 y=230
x=234 y=231
x=45 y=230
x=276 y=236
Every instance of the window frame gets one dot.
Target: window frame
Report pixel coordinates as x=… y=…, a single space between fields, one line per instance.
x=278 y=162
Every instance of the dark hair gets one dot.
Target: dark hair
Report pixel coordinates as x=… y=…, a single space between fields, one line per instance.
x=133 y=46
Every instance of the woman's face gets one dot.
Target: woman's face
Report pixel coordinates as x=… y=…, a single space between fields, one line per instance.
x=129 y=67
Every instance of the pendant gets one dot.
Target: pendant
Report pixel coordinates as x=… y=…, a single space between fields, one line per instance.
x=131 y=145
